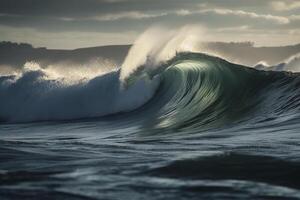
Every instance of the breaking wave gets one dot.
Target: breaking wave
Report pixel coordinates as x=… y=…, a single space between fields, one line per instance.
x=191 y=90
x=35 y=95
x=164 y=82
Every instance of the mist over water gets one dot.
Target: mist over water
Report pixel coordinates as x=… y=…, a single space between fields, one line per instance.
x=170 y=123
x=151 y=51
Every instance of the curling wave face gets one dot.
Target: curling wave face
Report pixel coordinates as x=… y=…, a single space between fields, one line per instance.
x=189 y=91
x=201 y=92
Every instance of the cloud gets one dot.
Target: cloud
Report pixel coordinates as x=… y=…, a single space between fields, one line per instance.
x=88 y=8
x=183 y=12
x=235 y=28
x=253 y=15
x=71 y=23
x=66 y=39
x=239 y=13
x=127 y=15
x=284 y=6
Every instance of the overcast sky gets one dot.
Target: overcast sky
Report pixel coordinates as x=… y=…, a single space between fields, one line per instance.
x=69 y=24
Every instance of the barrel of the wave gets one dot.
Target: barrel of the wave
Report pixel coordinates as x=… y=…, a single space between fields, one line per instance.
x=202 y=92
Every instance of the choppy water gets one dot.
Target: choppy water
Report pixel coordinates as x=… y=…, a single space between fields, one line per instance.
x=197 y=127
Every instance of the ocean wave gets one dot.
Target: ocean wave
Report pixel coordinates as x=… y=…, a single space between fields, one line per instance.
x=191 y=90
x=202 y=92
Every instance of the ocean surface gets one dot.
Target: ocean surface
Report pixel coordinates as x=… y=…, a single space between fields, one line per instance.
x=193 y=127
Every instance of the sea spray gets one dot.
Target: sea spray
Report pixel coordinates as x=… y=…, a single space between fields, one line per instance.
x=157 y=45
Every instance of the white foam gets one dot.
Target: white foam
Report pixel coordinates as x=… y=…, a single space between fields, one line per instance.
x=40 y=94
x=159 y=44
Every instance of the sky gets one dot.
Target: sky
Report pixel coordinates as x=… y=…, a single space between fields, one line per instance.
x=68 y=24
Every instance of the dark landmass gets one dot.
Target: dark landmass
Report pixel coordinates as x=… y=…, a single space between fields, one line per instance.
x=16 y=55
x=247 y=54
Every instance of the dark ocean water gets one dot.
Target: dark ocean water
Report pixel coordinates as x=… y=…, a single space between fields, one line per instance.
x=204 y=128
